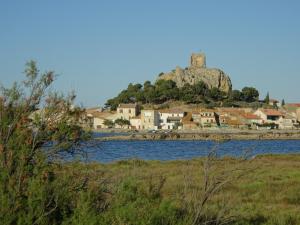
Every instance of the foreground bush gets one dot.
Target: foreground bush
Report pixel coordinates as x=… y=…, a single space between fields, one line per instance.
x=36 y=128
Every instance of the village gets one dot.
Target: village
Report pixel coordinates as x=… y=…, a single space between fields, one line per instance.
x=134 y=117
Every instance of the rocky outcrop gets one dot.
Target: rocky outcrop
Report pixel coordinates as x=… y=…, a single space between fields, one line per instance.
x=196 y=72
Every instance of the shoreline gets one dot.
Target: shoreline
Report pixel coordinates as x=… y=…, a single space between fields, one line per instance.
x=209 y=135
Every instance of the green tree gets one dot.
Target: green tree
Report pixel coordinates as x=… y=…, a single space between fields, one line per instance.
x=216 y=94
x=193 y=93
x=187 y=93
x=236 y=95
x=267 y=98
x=282 y=102
x=147 y=85
x=200 y=88
x=37 y=127
x=250 y=94
x=122 y=122
x=108 y=123
x=166 y=90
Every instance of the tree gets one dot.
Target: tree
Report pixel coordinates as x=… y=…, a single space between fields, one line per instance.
x=166 y=90
x=250 y=94
x=282 y=102
x=36 y=128
x=235 y=95
x=186 y=93
x=108 y=123
x=147 y=85
x=122 y=122
x=267 y=98
x=200 y=88
x=216 y=94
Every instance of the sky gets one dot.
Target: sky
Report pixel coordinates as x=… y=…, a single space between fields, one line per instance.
x=98 y=47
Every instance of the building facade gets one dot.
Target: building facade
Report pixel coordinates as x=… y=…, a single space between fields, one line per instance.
x=127 y=111
x=269 y=115
x=206 y=118
x=136 y=123
x=170 y=119
x=149 y=119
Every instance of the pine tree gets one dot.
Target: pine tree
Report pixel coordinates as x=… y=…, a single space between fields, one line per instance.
x=267 y=98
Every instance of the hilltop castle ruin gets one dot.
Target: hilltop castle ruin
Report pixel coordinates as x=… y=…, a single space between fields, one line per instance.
x=196 y=72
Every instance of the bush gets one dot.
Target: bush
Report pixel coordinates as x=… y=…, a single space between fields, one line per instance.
x=36 y=128
x=134 y=205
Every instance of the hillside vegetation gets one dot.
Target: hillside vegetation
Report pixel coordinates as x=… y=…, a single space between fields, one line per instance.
x=165 y=90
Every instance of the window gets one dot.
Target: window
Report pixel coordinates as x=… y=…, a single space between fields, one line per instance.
x=129 y=110
x=121 y=111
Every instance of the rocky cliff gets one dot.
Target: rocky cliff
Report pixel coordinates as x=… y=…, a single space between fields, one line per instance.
x=196 y=72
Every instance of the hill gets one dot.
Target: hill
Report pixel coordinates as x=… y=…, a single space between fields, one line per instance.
x=195 y=84
x=197 y=72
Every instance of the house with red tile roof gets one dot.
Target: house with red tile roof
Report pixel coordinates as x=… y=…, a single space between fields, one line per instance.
x=250 y=118
x=269 y=115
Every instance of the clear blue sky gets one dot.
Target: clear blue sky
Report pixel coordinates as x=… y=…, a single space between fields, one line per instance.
x=98 y=47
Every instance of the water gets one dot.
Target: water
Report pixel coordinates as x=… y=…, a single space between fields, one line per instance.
x=109 y=151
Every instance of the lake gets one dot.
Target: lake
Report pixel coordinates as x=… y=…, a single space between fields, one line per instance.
x=108 y=151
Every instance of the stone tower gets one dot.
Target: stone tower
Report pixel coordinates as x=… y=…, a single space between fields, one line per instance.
x=198 y=60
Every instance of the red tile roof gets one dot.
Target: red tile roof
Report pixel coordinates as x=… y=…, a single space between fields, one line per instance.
x=272 y=112
x=250 y=116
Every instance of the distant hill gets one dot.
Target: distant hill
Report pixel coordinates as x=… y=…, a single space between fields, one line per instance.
x=195 y=84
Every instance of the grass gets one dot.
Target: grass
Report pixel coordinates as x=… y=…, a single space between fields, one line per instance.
x=268 y=192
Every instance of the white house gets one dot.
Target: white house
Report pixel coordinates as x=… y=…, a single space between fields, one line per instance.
x=97 y=117
x=287 y=122
x=170 y=118
x=136 y=122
